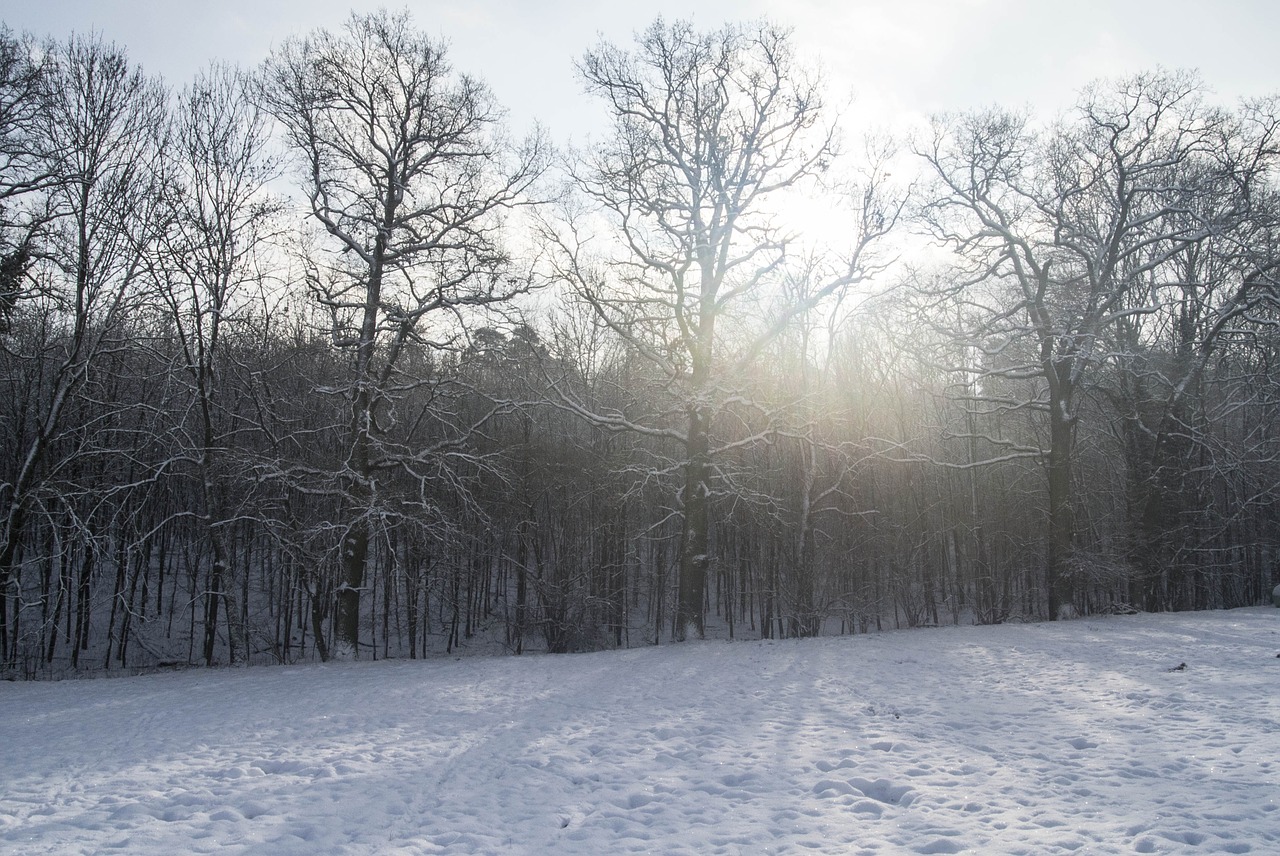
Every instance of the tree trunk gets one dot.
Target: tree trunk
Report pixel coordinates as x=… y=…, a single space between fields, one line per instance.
x=1061 y=536
x=212 y=597
x=694 y=537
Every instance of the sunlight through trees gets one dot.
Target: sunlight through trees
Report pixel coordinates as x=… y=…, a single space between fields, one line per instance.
x=316 y=360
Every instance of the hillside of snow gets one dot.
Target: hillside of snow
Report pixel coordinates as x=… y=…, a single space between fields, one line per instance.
x=1081 y=737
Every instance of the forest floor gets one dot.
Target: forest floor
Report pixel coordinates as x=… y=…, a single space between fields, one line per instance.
x=1137 y=734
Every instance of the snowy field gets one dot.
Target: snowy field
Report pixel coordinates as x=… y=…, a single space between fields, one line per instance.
x=1037 y=739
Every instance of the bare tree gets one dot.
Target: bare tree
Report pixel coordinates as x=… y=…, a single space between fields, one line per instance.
x=219 y=217
x=99 y=126
x=406 y=170
x=1061 y=235
x=710 y=129
x=22 y=169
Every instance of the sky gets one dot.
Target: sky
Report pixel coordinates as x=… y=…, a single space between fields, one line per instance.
x=898 y=60
x=889 y=64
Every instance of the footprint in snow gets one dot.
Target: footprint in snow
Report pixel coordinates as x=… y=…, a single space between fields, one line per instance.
x=828 y=766
x=880 y=790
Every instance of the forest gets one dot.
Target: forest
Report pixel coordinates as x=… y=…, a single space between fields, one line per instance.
x=318 y=360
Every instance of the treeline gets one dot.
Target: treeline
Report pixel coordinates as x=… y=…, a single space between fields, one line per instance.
x=317 y=361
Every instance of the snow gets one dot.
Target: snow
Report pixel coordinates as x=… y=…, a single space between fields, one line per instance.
x=1078 y=737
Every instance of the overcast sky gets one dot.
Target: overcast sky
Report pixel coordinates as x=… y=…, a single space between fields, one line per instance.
x=898 y=58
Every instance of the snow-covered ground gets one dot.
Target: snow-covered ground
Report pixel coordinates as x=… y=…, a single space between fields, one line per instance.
x=1073 y=737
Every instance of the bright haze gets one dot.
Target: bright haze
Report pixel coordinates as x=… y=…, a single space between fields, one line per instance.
x=898 y=59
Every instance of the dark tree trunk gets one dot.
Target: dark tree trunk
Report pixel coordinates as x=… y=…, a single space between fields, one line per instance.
x=1061 y=535
x=694 y=538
